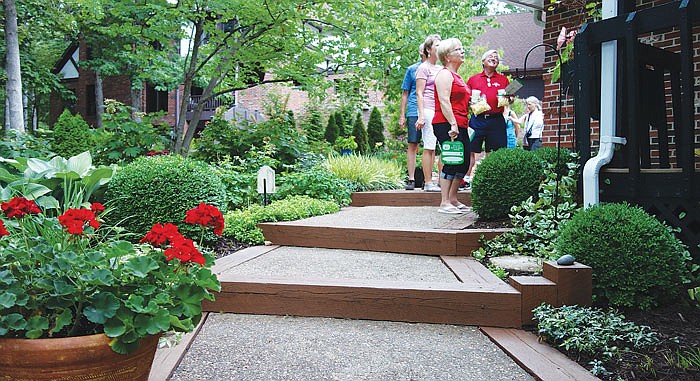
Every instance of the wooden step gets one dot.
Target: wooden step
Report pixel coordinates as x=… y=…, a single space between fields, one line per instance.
x=412 y=241
x=539 y=359
x=477 y=297
x=416 y=197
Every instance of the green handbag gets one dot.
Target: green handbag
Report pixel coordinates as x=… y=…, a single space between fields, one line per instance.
x=452 y=152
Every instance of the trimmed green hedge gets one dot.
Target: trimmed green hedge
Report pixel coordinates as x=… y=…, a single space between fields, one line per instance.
x=636 y=259
x=162 y=189
x=505 y=178
x=242 y=225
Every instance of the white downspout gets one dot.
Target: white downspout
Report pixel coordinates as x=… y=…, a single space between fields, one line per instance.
x=608 y=111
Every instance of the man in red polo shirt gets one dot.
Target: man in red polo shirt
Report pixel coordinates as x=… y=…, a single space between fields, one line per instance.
x=489 y=126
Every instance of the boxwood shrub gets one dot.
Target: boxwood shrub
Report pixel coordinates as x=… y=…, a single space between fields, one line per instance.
x=636 y=259
x=503 y=179
x=242 y=225
x=161 y=189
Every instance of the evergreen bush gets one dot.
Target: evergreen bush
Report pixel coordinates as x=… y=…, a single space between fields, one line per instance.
x=332 y=130
x=316 y=182
x=312 y=126
x=242 y=225
x=71 y=135
x=505 y=178
x=548 y=155
x=375 y=129
x=360 y=134
x=341 y=122
x=636 y=259
x=160 y=189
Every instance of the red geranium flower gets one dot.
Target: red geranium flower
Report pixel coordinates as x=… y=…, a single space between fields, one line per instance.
x=206 y=215
x=74 y=220
x=183 y=249
x=3 y=231
x=161 y=235
x=97 y=208
x=19 y=207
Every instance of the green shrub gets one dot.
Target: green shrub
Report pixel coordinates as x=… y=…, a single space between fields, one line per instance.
x=505 y=178
x=536 y=223
x=71 y=135
x=636 y=259
x=375 y=129
x=366 y=173
x=548 y=155
x=312 y=126
x=332 y=130
x=160 y=189
x=241 y=225
x=360 y=134
x=603 y=335
x=122 y=139
x=14 y=144
x=316 y=182
x=240 y=183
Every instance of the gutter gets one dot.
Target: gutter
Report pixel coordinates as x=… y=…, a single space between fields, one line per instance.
x=608 y=113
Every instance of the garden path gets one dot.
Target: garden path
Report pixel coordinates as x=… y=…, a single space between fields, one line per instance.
x=359 y=312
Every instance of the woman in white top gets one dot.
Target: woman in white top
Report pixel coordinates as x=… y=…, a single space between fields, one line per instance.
x=533 y=124
x=425 y=96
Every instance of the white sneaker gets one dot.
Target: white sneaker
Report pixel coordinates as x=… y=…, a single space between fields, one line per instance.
x=431 y=187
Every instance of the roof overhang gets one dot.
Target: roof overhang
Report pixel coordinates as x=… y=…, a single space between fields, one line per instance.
x=535 y=5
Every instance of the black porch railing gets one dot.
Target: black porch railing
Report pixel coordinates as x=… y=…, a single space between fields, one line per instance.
x=655 y=113
x=210 y=106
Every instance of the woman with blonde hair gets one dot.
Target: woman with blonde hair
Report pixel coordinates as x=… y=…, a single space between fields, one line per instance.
x=451 y=121
x=425 y=95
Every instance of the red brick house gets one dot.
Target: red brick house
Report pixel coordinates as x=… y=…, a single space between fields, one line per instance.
x=632 y=111
x=81 y=82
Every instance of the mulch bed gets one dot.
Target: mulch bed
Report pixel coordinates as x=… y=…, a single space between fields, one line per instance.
x=678 y=328
x=227 y=246
x=494 y=224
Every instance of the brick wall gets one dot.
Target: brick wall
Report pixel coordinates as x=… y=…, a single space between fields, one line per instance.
x=255 y=98
x=572 y=17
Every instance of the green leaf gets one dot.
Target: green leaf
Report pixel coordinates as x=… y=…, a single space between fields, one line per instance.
x=101 y=277
x=8 y=300
x=118 y=249
x=140 y=266
x=63 y=319
x=36 y=325
x=103 y=307
x=120 y=346
x=114 y=327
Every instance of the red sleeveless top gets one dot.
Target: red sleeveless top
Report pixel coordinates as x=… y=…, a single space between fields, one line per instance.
x=459 y=99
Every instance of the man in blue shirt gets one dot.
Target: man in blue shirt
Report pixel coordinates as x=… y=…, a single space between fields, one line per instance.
x=408 y=115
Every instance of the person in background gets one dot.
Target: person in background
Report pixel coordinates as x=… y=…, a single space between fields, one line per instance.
x=408 y=115
x=425 y=95
x=533 y=124
x=511 y=132
x=490 y=126
x=451 y=120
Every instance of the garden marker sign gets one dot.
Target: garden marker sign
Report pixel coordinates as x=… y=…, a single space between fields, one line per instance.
x=266 y=182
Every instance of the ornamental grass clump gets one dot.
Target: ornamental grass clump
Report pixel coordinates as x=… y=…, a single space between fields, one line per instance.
x=72 y=275
x=366 y=173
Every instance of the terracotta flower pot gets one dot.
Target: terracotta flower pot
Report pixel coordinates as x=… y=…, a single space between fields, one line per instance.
x=74 y=358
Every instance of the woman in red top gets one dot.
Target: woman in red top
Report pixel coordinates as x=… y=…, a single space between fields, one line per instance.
x=451 y=120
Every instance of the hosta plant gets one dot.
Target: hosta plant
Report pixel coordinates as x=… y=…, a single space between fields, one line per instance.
x=69 y=276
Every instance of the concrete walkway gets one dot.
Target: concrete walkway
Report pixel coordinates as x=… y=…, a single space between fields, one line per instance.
x=259 y=347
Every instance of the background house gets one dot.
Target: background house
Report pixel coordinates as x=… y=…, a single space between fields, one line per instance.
x=655 y=109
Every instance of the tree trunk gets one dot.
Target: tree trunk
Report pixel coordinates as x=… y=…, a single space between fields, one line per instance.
x=14 y=111
x=136 y=104
x=99 y=99
x=187 y=91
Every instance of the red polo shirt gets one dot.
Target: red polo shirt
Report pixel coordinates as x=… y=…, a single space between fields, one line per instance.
x=489 y=86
